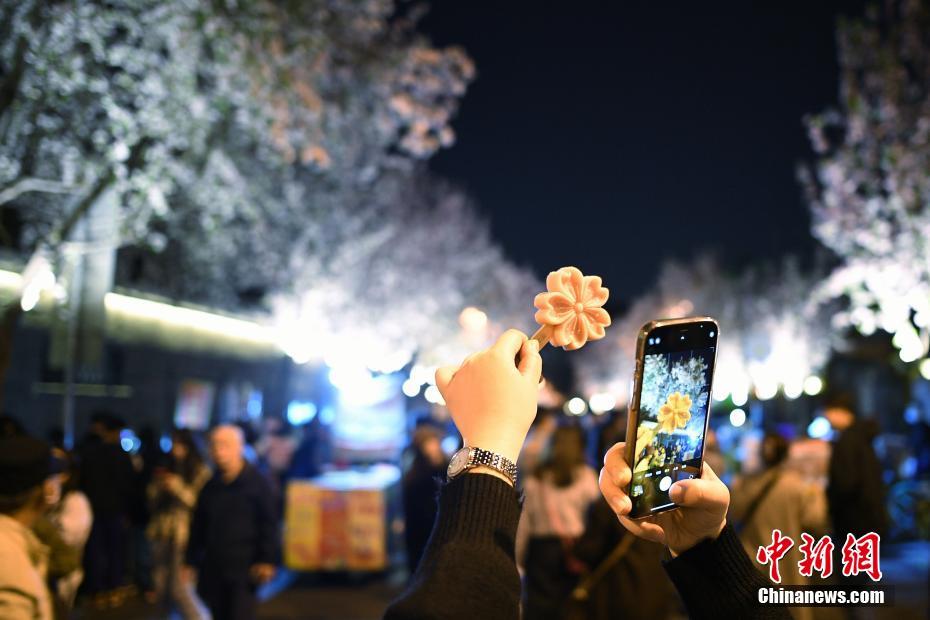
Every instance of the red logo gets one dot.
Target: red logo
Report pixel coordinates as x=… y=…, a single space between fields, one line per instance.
x=817 y=556
x=773 y=553
x=860 y=555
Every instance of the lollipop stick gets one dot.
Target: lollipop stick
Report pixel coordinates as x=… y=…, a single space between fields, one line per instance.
x=542 y=335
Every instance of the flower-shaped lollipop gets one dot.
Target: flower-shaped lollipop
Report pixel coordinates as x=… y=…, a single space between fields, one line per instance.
x=675 y=413
x=571 y=313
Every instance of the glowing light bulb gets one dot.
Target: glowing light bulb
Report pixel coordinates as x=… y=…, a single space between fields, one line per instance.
x=411 y=388
x=737 y=417
x=602 y=403
x=576 y=406
x=813 y=385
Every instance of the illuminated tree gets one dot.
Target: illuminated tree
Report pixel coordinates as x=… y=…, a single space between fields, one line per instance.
x=413 y=260
x=771 y=335
x=212 y=109
x=240 y=142
x=869 y=189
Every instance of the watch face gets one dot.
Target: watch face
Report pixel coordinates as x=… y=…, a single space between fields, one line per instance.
x=458 y=462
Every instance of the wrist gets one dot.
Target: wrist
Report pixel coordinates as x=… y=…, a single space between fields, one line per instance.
x=481 y=469
x=508 y=449
x=713 y=535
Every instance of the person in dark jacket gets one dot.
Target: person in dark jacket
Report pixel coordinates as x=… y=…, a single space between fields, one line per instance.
x=633 y=587
x=419 y=491
x=234 y=545
x=107 y=477
x=469 y=570
x=855 y=491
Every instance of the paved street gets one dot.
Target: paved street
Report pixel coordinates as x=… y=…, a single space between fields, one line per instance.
x=305 y=598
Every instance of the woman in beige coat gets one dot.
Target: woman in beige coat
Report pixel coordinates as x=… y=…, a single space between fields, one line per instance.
x=778 y=498
x=172 y=495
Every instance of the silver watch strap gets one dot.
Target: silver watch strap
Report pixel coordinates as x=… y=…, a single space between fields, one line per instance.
x=495 y=461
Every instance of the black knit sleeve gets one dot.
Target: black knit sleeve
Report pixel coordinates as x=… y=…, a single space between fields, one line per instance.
x=468 y=569
x=716 y=579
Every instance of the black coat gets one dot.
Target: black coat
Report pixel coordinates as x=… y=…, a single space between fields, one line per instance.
x=420 y=490
x=235 y=525
x=107 y=478
x=636 y=585
x=856 y=492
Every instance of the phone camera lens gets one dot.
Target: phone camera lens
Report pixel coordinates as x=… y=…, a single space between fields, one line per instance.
x=711 y=334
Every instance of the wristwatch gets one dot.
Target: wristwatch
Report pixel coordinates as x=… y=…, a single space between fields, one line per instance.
x=469 y=457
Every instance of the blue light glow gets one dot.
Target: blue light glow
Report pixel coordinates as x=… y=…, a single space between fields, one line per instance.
x=254 y=406
x=908 y=467
x=450 y=444
x=299 y=412
x=819 y=428
x=128 y=441
x=165 y=444
x=327 y=415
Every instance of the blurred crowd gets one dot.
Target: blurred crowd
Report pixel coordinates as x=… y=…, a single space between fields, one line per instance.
x=191 y=521
x=125 y=515
x=578 y=561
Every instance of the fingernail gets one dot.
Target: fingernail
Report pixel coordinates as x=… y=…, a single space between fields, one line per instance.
x=534 y=345
x=676 y=493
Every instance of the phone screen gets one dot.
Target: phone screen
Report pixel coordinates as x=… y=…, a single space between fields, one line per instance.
x=671 y=403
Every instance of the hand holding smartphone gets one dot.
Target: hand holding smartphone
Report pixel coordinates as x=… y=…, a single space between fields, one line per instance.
x=657 y=482
x=669 y=409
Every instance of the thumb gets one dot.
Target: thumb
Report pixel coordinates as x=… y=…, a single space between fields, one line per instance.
x=699 y=493
x=444 y=377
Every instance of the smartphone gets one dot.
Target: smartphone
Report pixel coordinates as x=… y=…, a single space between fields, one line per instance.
x=669 y=408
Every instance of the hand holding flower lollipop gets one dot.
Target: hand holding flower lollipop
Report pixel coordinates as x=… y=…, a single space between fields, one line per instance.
x=571 y=312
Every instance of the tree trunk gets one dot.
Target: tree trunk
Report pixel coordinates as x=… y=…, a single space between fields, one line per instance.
x=14 y=310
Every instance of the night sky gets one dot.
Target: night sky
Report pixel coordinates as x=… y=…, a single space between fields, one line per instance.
x=612 y=135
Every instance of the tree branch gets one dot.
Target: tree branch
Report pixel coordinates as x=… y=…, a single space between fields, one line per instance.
x=33 y=184
x=82 y=207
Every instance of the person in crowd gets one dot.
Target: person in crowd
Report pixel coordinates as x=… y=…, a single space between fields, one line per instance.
x=712 y=454
x=25 y=488
x=64 y=529
x=172 y=494
x=537 y=440
x=309 y=457
x=419 y=487
x=107 y=478
x=275 y=450
x=626 y=579
x=855 y=491
x=558 y=496
x=234 y=545
x=144 y=460
x=468 y=569
x=612 y=431
x=777 y=497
